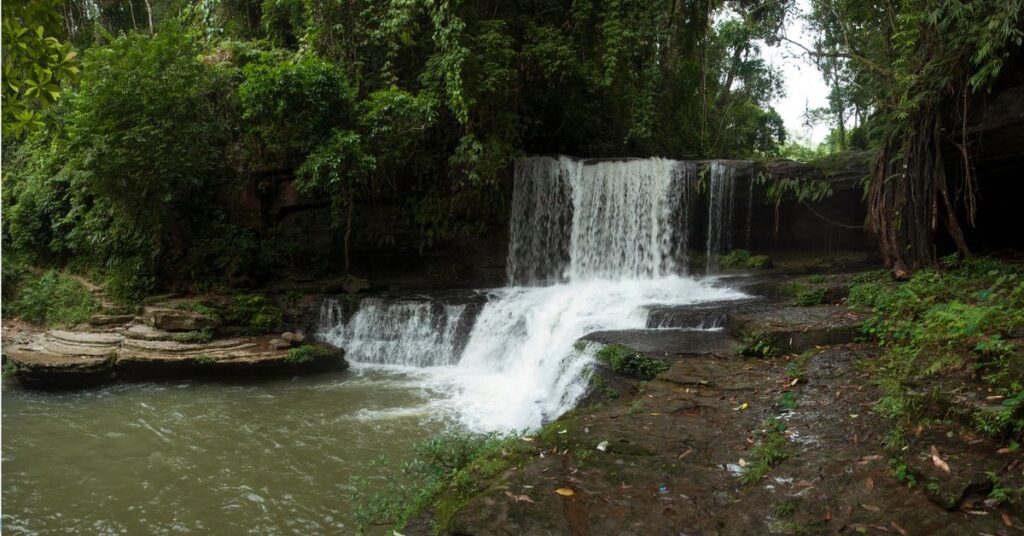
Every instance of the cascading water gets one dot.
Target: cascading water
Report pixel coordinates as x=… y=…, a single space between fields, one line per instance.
x=615 y=219
x=611 y=236
x=721 y=205
x=416 y=333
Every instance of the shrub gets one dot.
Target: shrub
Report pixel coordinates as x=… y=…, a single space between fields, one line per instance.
x=806 y=297
x=629 y=362
x=55 y=299
x=443 y=472
x=255 y=313
x=306 y=353
x=741 y=259
x=758 y=344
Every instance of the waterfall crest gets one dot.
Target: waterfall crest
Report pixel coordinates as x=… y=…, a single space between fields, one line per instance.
x=618 y=219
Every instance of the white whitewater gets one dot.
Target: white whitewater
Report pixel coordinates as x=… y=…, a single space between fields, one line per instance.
x=607 y=239
x=415 y=333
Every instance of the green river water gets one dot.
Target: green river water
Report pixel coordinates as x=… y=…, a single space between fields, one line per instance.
x=274 y=457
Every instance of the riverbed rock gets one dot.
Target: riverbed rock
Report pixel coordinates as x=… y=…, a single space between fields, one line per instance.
x=109 y=319
x=35 y=367
x=279 y=344
x=795 y=329
x=177 y=319
x=293 y=338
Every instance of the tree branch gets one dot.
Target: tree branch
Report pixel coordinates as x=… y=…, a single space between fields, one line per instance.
x=846 y=55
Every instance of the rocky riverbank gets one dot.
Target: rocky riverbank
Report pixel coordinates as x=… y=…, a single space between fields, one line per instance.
x=768 y=426
x=167 y=339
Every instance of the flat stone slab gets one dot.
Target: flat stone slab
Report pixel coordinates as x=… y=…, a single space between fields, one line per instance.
x=41 y=369
x=699 y=316
x=109 y=320
x=670 y=342
x=795 y=329
x=184 y=347
x=61 y=348
x=86 y=337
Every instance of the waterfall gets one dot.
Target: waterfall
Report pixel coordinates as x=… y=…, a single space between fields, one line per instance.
x=592 y=244
x=415 y=333
x=618 y=219
x=721 y=200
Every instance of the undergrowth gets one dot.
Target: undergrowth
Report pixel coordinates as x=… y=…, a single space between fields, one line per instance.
x=443 y=473
x=53 y=299
x=254 y=312
x=757 y=344
x=772 y=448
x=629 y=362
x=741 y=259
x=945 y=328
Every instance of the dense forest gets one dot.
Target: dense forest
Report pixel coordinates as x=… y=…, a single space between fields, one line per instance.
x=132 y=128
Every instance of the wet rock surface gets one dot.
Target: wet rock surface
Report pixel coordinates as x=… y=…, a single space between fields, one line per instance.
x=673 y=454
x=667 y=456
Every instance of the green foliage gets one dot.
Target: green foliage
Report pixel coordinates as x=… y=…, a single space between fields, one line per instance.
x=291 y=106
x=771 y=448
x=37 y=62
x=206 y=360
x=307 y=353
x=741 y=259
x=54 y=299
x=198 y=307
x=950 y=322
x=254 y=312
x=443 y=472
x=10 y=370
x=757 y=344
x=629 y=362
x=808 y=296
x=194 y=337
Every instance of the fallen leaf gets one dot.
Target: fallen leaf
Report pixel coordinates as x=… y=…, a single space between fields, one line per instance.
x=898 y=528
x=565 y=492
x=794 y=382
x=654 y=414
x=624 y=486
x=742 y=462
x=870 y=484
x=828 y=515
x=1007 y=520
x=1005 y=450
x=741 y=407
x=938 y=461
x=519 y=498
x=870 y=507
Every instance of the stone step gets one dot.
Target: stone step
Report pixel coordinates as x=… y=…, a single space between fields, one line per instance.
x=698 y=316
x=56 y=347
x=162 y=346
x=85 y=338
x=109 y=319
x=670 y=342
x=795 y=329
x=144 y=332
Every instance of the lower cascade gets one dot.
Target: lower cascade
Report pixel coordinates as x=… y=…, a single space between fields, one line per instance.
x=513 y=364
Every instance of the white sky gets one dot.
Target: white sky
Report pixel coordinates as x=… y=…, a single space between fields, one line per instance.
x=805 y=87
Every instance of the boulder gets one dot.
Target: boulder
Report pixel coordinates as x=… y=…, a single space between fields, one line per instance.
x=279 y=344
x=294 y=339
x=109 y=320
x=177 y=319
